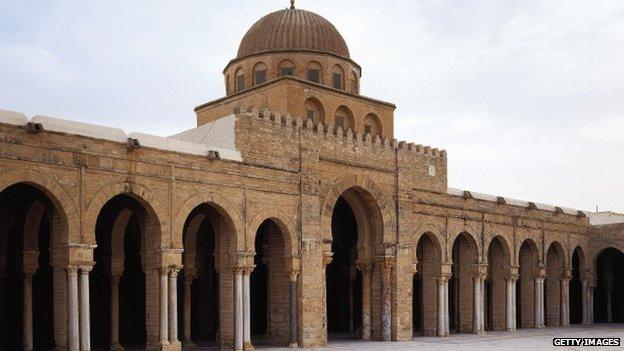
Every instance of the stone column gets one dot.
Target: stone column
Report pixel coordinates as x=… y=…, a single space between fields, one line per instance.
x=442 y=281
x=447 y=320
x=114 y=296
x=238 y=309
x=293 y=335
x=609 y=294
x=511 y=302
x=247 y=346
x=539 y=300
x=27 y=312
x=386 y=298
x=584 y=299
x=365 y=269
x=72 y=303
x=591 y=304
x=477 y=315
x=85 y=319
x=352 y=275
x=173 y=305
x=164 y=310
x=188 y=282
x=565 y=300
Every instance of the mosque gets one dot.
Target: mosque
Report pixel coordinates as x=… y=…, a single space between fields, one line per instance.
x=289 y=216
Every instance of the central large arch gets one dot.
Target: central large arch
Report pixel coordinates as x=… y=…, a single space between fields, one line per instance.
x=609 y=292
x=495 y=286
x=353 y=310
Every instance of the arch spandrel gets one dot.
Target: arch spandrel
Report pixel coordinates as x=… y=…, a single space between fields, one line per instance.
x=375 y=197
x=228 y=212
x=57 y=194
x=150 y=202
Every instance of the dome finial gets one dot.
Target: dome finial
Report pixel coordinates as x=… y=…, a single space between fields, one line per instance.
x=292 y=4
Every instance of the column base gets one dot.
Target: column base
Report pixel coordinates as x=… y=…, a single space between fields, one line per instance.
x=480 y=333
x=116 y=347
x=294 y=345
x=247 y=346
x=173 y=346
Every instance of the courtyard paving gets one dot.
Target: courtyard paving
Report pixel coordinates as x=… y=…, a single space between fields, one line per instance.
x=524 y=339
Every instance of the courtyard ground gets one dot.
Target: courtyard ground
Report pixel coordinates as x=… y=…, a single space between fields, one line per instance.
x=524 y=339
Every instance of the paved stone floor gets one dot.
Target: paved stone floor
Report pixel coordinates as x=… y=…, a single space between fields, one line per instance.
x=524 y=339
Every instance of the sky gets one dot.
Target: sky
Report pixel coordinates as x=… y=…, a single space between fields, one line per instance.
x=527 y=97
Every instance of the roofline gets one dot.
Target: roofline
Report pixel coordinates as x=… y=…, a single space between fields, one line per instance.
x=238 y=59
x=299 y=80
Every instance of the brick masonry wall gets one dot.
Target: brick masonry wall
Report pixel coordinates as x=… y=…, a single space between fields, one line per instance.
x=294 y=170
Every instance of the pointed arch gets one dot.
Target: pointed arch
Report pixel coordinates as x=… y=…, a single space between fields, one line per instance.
x=285 y=224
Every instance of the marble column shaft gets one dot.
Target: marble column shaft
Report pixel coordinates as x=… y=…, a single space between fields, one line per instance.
x=293 y=334
x=114 y=297
x=164 y=306
x=72 y=302
x=511 y=303
x=366 y=300
x=85 y=319
x=238 y=309
x=173 y=305
x=441 y=307
x=539 y=302
x=27 y=312
x=247 y=346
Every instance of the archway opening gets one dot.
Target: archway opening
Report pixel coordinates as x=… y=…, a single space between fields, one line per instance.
x=609 y=291
x=344 y=283
x=461 y=290
x=206 y=238
x=525 y=286
x=576 y=287
x=269 y=283
x=117 y=281
x=424 y=298
x=28 y=220
x=555 y=266
x=496 y=285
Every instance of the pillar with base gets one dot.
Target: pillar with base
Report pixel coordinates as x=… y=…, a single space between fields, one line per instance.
x=539 y=298
x=387 y=264
x=173 y=307
x=365 y=268
x=247 y=345
x=164 y=306
x=27 y=312
x=478 y=314
x=189 y=277
x=511 y=299
x=565 y=298
x=85 y=319
x=114 y=301
x=442 y=310
x=293 y=314
x=72 y=305
x=238 y=308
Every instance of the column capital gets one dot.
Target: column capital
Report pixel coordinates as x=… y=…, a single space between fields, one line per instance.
x=363 y=266
x=541 y=273
x=414 y=266
x=85 y=269
x=444 y=278
x=164 y=270
x=28 y=275
x=72 y=270
x=512 y=277
x=115 y=278
x=480 y=276
x=247 y=270
x=327 y=258
x=294 y=273
x=173 y=273
x=386 y=262
x=238 y=270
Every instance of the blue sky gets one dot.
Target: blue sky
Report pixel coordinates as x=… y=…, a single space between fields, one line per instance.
x=526 y=96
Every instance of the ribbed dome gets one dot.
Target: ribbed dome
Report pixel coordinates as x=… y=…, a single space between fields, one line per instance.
x=293 y=30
